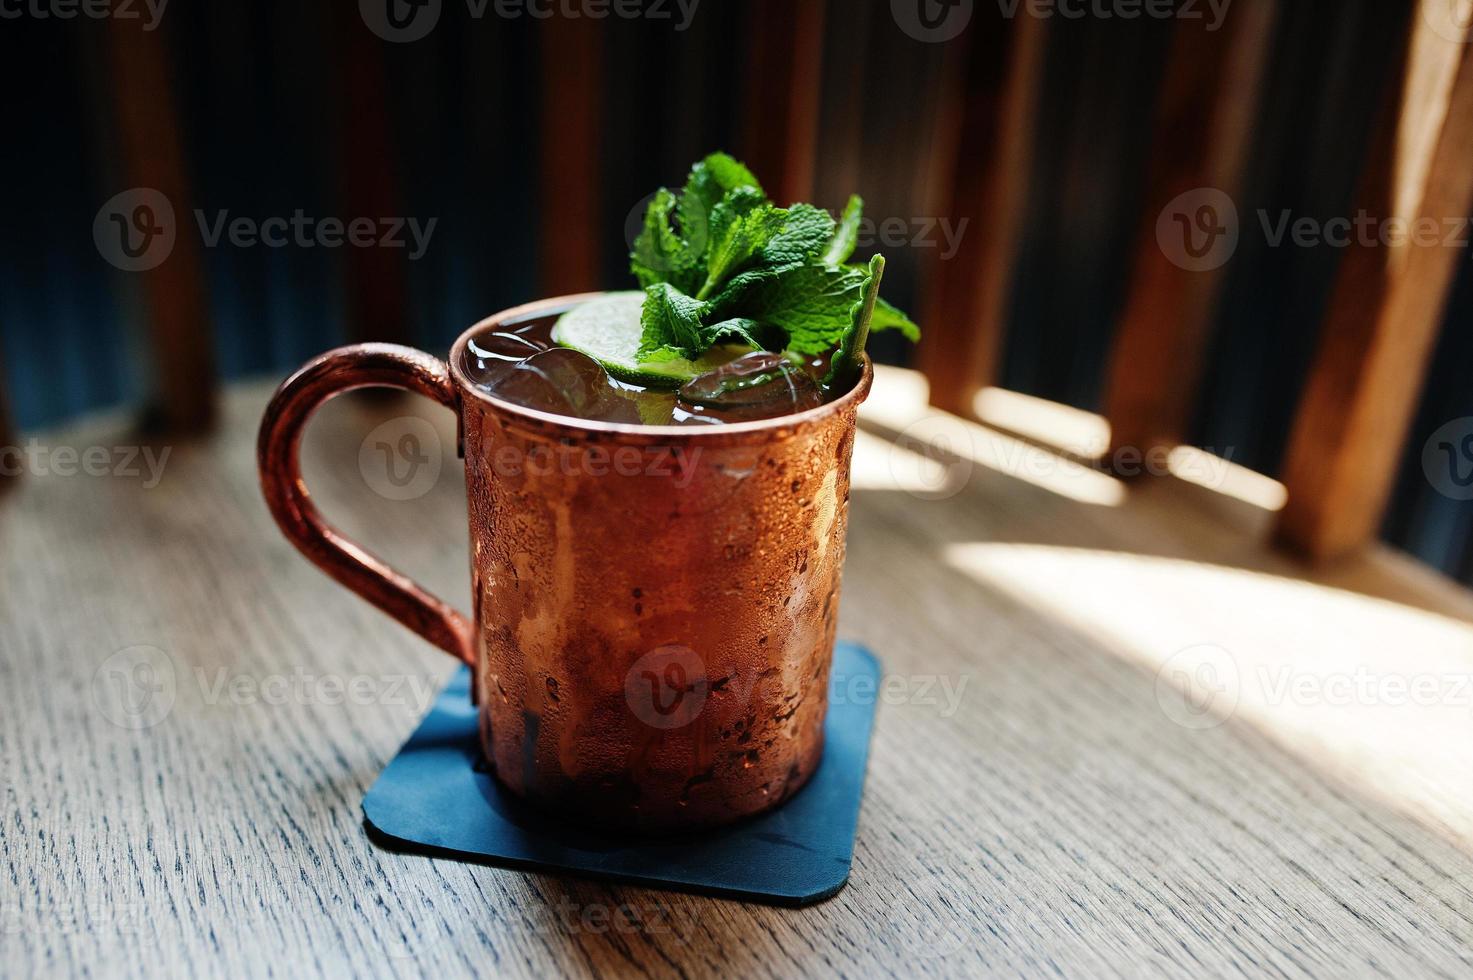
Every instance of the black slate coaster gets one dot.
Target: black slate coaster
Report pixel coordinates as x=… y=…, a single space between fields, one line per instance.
x=433 y=799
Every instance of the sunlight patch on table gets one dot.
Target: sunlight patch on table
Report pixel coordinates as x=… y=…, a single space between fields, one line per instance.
x=954 y=446
x=883 y=465
x=1069 y=429
x=1377 y=694
x=1198 y=466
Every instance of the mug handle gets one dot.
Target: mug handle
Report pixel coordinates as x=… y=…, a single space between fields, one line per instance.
x=278 y=455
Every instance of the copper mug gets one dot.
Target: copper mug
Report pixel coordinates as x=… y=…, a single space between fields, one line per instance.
x=654 y=607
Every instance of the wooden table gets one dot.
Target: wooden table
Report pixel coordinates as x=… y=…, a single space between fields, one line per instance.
x=1068 y=811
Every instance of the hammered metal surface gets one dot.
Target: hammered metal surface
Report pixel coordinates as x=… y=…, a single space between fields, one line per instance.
x=655 y=607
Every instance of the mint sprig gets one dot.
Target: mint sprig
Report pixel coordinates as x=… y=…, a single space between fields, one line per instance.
x=721 y=263
x=845 y=366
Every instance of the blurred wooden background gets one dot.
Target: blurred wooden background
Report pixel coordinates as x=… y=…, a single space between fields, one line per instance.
x=1058 y=140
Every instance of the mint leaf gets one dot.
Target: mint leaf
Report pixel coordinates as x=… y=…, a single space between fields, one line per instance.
x=810 y=303
x=849 y=357
x=661 y=255
x=805 y=230
x=739 y=329
x=712 y=179
x=794 y=237
x=841 y=246
x=740 y=226
x=670 y=324
x=887 y=317
x=802 y=232
x=721 y=264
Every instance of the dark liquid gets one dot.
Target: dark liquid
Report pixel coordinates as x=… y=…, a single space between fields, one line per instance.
x=518 y=362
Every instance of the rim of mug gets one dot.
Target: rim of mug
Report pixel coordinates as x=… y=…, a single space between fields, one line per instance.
x=537 y=419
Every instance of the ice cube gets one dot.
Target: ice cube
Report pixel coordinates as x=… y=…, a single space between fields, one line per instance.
x=566 y=382
x=491 y=356
x=759 y=385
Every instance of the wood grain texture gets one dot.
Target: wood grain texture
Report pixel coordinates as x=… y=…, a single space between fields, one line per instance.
x=981 y=159
x=1388 y=303
x=1056 y=821
x=1201 y=139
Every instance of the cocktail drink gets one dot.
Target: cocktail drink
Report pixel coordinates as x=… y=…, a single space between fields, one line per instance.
x=658 y=484
x=521 y=362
